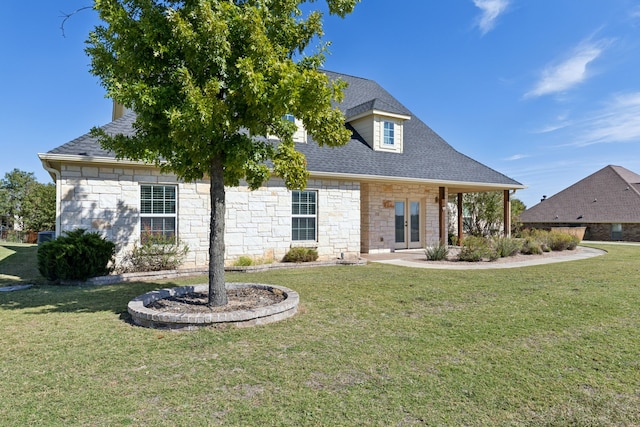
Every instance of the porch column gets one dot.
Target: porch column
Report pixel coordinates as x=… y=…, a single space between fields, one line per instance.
x=460 y=220
x=442 y=216
x=507 y=213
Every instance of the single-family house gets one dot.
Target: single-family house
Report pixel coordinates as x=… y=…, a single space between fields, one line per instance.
x=606 y=204
x=385 y=190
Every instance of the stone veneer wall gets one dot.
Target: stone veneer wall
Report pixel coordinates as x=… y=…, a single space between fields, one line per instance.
x=378 y=214
x=597 y=231
x=107 y=199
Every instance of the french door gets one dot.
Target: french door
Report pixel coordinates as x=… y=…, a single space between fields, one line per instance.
x=408 y=217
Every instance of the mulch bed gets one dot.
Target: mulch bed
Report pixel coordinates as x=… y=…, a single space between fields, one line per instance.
x=239 y=299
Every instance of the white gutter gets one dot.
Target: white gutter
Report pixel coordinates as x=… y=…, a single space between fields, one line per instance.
x=74 y=158
x=329 y=175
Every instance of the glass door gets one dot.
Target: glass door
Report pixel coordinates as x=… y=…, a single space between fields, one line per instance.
x=407 y=224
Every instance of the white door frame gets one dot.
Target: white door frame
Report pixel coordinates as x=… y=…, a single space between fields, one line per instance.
x=408 y=220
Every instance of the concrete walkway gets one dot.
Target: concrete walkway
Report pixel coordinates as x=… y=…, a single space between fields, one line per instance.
x=417 y=259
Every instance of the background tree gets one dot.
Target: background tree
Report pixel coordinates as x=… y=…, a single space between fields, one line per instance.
x=206 y=79
x=14 y=188
x=25 y=203
x=38 y=209
x=484 y=214
x=517 y=207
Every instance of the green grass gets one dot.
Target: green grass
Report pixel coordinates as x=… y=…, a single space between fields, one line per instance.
x=18 y=264
x=377 y=345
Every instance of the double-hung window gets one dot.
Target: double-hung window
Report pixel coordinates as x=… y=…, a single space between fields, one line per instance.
x=388 y=137
x=304 y=215
x=157 y=211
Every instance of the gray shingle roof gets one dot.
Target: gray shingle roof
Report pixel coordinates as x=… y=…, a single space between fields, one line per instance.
x=610 y=195
x=426 y=156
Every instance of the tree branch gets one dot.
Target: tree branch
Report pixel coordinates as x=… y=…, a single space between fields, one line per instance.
x=66 y=17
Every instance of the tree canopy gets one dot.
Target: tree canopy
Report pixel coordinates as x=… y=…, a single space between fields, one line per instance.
x=26 y=201
x=206 y=78
x=210 y=82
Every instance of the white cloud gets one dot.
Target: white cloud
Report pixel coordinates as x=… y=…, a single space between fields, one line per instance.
x=618 y=121
x=517 y=157
x=570 y=72
x=491 y=10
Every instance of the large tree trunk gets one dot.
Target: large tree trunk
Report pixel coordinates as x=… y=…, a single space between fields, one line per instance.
x=217 y=291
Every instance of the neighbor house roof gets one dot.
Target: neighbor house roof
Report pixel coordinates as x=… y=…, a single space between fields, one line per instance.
x=611 y=195
x=426 y=157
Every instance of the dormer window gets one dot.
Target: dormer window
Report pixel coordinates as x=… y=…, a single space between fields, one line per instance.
x=300 y=135
x=379 y=124
x=388 y=133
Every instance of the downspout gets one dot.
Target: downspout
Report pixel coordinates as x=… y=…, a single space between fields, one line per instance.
x=56 y=174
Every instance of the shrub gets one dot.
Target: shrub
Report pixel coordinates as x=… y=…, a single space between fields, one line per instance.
x=575 y=240
x=540 y=238
x=531 y=246
x=562 y=241
x=476 y=249
x=155 y=252
x=243 y=261
x=301 y=255
x=76 y=256
x=506 y=246
x=437 y=253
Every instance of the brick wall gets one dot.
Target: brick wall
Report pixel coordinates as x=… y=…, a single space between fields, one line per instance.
x=602 y=232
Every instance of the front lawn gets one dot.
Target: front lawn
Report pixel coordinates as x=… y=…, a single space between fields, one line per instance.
x=376 y=345
x=18 y=264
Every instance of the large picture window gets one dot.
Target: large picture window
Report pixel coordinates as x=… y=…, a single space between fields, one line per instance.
x=157 y=211
x=304 y=215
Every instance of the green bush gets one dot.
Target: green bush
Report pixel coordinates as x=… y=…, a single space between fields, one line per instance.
x=301 y=255
x=531 y=246
x=437 y=253
x=476 y=249
x=243 y=261
x=506 y=246
x=156 y=252
x=562 y=241
x=76 y=256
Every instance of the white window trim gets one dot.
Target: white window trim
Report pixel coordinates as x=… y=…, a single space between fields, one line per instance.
x=155 y=215
x=314 y=216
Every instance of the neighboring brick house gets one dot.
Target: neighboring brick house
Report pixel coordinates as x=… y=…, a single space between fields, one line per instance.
x=386 y=189
x=607 y=203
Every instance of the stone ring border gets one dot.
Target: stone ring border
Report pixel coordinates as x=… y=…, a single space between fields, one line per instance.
x=143 y=315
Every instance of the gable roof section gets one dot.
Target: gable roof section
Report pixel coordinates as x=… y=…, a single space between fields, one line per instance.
x=87 y=146
x=426 y=156
x=611 y=195
x=374 y=105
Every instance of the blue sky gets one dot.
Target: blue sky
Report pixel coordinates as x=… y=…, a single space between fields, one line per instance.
x=545 y=91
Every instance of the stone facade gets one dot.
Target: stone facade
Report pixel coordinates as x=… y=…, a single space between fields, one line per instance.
x=599 y=231
x=378 y=214
x=258 y=223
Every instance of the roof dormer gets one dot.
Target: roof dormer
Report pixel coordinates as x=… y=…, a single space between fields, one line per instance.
x=380 y=124
x=300 y=135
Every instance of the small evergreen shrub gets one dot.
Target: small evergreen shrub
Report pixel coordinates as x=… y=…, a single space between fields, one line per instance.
x=507 y=246
x=301 y=255
x=155 y=252
x=77 y=255
x=437 y=253
x=476 y=249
